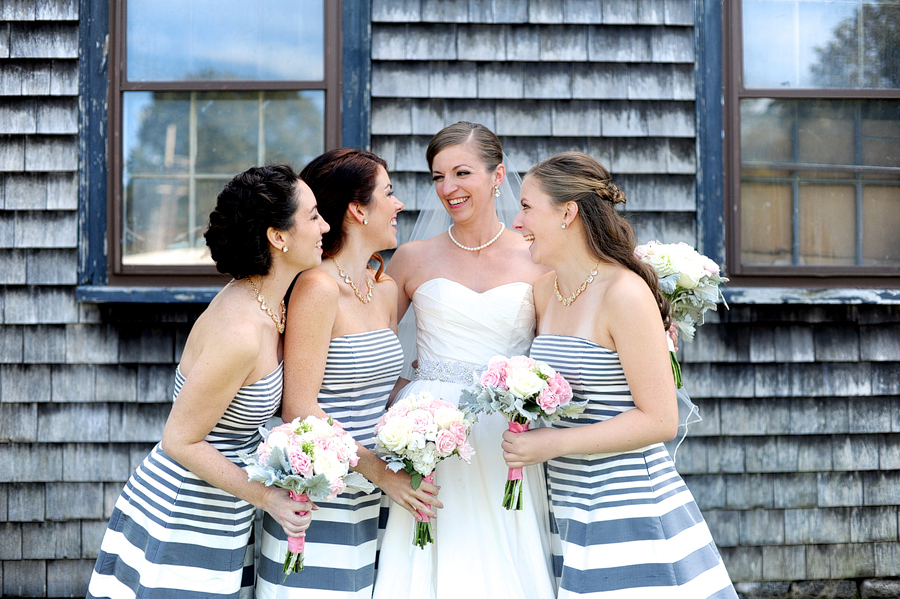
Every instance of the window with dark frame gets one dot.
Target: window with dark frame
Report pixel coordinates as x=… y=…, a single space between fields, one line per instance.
x=812 y=124
x=200 y=90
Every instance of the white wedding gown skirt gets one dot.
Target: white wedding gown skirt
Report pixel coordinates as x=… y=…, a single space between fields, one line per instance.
x=480 y=548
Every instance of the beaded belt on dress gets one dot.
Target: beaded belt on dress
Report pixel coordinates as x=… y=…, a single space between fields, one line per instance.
x=448 y=372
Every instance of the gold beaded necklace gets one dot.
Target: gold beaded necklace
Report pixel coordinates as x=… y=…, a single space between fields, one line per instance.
x=567 y=301
x=363 y=298
x=279 y=323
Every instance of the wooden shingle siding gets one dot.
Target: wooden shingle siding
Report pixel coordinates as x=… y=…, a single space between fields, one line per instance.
x=796 y=464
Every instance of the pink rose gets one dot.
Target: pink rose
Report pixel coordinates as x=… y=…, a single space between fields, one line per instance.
x=710 y=266
x=561 y=388
x=354 y=460
x=446 y=443
x=520 y=363
x=337 y=445
x=495 y=375
x=548 y=400
x=337 y=487
x=458 y=430
x=420 y=420
x=300 y=463
x=465 y=451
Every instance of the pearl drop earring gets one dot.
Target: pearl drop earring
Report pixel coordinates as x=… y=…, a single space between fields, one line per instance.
x=284 y=249
x=563 y=226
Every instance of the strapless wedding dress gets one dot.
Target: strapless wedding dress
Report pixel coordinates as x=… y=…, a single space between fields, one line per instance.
x=480 y=548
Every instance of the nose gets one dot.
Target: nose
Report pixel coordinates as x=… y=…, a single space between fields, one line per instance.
x=517 y=222
x=447 y=186
x=398 y=204
x=324 y=227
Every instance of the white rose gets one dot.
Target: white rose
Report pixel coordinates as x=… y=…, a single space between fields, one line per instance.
x=445 y=416
x=524 y=383
x=277 y=439
x=320 y=427
x=327 y=463
x=394 y=435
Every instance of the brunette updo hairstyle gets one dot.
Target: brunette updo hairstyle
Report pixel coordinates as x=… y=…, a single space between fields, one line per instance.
x=482 y=139
x=576 y=177
x=259 y=198
x=337 y=178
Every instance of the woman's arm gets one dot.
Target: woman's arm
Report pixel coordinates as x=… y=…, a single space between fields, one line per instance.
x=313 y=310
x=635 y=326
x=224 y=363
x=399 y=269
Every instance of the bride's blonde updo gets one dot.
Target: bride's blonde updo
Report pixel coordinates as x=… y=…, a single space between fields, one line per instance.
x=576 y=177
x=483 y=141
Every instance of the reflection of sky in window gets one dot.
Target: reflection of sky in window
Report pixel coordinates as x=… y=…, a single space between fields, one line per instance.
x=174 y=40
x=133 y=105
x=780 y=38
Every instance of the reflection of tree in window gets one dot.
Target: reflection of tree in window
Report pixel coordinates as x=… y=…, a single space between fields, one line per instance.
x=168 y=194
x=864 y=50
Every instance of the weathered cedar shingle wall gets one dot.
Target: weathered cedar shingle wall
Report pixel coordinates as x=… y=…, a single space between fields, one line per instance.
x=797 y=463
x=84 y=391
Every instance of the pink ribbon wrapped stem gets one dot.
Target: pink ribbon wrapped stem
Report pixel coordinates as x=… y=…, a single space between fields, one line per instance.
x=516 y=427
x=424 y=518
x=297 y=544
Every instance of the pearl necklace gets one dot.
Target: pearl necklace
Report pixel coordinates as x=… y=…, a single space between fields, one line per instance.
x=279 y=324
x=364 y=299
x=567 y=301
x=480 y=247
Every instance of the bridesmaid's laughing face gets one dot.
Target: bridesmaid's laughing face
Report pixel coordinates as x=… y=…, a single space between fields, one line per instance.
x=539 y=221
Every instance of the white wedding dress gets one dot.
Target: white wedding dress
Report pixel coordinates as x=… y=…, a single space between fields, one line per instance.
x=480 y=548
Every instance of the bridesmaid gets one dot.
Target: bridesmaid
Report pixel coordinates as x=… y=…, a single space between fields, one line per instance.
x=182 y=526
x=627 y=524
x=342 y=358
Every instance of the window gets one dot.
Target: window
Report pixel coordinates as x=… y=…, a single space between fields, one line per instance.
x=200 y=90
x=812 y=139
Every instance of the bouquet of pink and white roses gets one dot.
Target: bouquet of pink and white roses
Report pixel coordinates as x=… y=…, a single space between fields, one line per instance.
x=523 y=390
x=415 y=434
x=690 y=281
x=312 y=458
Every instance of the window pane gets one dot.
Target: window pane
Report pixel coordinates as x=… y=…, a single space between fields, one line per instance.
x=827 y=225
x=181 y=147
x=881 y=223
x=821 y=43
x=766 y=130
x=765 y=224
x=271 y=40
x=841 y=158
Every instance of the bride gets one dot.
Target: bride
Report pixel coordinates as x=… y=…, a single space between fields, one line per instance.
x=471 y=290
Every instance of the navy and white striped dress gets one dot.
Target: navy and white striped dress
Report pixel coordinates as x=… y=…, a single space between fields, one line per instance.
x=339 y=558
x=173 y=535
x=625 y=526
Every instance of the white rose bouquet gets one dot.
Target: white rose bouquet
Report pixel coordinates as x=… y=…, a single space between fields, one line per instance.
x=310 y=457
x=690 y=281
x=414 y=435
x=523 y=390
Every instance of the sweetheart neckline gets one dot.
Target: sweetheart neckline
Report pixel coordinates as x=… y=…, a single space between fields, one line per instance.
x=469 y=288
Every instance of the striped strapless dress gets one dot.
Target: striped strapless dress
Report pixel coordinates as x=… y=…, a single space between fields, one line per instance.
x=175 y=536
x=624 y=525
x=339 y=558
